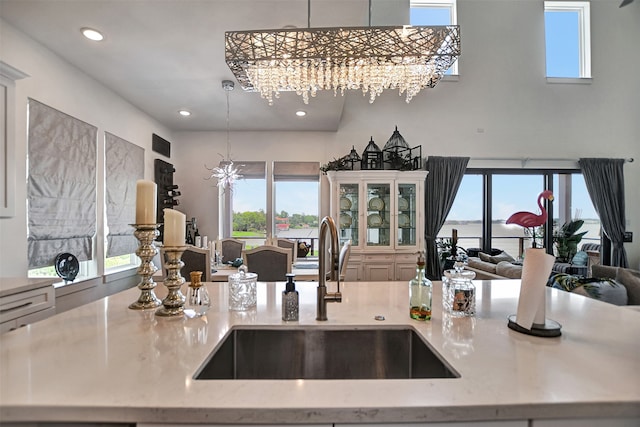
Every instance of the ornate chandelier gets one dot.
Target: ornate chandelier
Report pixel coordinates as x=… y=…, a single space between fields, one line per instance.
x=371 y=59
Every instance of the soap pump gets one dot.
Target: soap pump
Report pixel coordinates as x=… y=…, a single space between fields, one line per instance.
x=290 y=304
x=420 y=292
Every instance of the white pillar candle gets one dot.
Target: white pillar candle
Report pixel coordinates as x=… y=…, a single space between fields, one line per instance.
x=205 y=242
x=174 y=227
x=146 y=202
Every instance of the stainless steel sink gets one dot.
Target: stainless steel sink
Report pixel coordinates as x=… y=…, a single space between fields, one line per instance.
x=322 y=353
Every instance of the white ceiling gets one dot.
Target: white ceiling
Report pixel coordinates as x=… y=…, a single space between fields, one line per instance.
x=165 y=55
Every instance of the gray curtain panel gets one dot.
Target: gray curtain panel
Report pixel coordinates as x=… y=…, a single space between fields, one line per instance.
x=61 y=188
x=604 y=179
x=124 y=165
x=443 y=181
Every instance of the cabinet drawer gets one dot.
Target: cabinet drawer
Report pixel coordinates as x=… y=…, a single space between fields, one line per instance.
x=24 y=303
x=379 y=258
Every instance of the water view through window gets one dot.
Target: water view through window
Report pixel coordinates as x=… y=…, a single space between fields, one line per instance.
x=512 y=193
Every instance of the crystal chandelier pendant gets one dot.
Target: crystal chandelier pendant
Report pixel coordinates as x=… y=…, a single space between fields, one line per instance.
x=226 y=173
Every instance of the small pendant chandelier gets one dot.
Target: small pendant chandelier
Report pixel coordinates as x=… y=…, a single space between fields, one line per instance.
x=226 y=173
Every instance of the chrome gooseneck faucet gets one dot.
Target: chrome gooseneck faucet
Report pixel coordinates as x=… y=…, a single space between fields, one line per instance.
x=324 y=297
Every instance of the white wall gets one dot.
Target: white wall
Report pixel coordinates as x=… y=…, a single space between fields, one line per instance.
x=61 y=86
x=500 y=107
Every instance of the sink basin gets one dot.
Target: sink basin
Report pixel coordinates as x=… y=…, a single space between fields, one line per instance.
x=317 y=353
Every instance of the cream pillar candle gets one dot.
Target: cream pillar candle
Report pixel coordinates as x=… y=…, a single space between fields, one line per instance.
x=174 y=227
x=146 y=202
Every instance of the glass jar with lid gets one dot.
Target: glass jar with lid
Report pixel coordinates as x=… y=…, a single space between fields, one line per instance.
x=242 y=290
x=459 y=292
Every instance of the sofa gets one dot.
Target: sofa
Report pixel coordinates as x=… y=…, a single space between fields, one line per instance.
x=615 y=285
x=500 y=266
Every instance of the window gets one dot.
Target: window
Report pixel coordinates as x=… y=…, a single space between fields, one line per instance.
x=496 y=194
x=435 y=12
x=296 y=196
x=124 y=165
x=61 y=217
x=284 y=203
x=567 y=39
x=249 y=205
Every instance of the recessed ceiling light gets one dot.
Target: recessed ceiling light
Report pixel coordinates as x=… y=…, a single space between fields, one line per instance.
x=184 y=113
x=92 y=34
x=301 y=113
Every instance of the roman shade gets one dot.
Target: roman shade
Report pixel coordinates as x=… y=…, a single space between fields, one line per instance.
x=251 y=170
x=61 y=188
x=124 y=165
x=296 y=171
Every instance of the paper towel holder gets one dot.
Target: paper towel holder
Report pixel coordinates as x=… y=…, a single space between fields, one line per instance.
x=550 y=328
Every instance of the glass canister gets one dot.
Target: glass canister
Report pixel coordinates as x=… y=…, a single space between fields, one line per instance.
x=197 y=296
x=459 y=292
x=242 y=290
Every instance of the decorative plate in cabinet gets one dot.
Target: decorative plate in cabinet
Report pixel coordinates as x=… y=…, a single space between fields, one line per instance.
x=376 y=204
x=403 y=204
x=345 y=204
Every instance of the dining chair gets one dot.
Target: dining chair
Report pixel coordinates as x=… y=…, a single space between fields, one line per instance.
x=231 y=249
x=270 y=263
x=194 y=259
x=291 y=245
x=343 y=259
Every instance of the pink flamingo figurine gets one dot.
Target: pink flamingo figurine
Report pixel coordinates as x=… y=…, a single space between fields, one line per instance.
x=531 y=220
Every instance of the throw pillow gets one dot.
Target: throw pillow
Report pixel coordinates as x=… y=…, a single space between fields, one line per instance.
x=484 y=257
x=607 y=290
x=503 y=256
x=631 y=280
x=494 y=259
x=580 y=258
x=506 y=269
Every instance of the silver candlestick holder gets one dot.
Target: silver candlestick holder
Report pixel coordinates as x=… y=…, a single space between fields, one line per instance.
x=173 y=304
x=146 y=234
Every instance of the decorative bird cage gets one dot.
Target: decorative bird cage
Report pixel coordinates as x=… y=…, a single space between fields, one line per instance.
x=353 y=157
x=399 y=156
x=372 y=157
x=395 y=151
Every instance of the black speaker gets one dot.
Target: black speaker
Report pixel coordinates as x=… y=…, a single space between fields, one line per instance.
x=161 y=145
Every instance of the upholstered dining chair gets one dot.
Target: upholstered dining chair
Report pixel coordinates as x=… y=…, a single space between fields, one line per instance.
x=269 y=262
x=292 y=245
x=343 y=259
x=195 y=259
x=231 y=249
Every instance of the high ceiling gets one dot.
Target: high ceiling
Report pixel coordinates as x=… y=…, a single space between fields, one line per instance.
x=166 y=55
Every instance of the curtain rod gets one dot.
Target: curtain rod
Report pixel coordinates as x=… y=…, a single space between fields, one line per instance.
x=527 y=159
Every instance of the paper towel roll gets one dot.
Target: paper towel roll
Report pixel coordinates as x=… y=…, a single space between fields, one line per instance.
x=535 y=272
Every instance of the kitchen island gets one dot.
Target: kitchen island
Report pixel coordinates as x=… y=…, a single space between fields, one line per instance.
x=103 y=362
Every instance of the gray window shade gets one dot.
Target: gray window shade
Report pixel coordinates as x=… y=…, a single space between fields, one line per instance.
x=61 y=189
x=124 y=165
x=296 y=171
x=251 y=170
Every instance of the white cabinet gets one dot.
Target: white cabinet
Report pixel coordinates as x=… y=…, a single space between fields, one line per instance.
x=382 y=213
x=22 y=307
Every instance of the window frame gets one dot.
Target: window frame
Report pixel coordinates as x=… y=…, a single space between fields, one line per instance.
x=583 y=8
x=451 y=5
x=486 y=174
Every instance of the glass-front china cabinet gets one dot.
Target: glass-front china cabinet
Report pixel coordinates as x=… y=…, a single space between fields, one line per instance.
x=382 y=213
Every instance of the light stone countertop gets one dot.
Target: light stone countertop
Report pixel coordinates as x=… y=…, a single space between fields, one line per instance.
x=14 y=285
x=103 y=362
